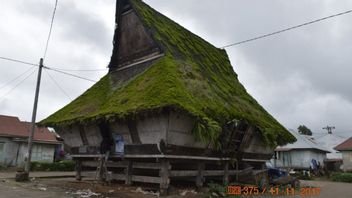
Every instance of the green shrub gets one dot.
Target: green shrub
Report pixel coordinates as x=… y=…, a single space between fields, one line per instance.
x=220 y=190
x=342 y=177
x=2 y=167
x=56 y=166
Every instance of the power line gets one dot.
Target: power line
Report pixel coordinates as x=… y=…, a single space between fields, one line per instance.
x=13 y=80
x=50 y=30
x=80 y=70
x=57 y=68
x=287 y=29
x=57 y=84
x=13 y=88
x=73 y=75
x=18 y=61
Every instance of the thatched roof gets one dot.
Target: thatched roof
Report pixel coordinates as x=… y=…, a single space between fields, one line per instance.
x=193 y=77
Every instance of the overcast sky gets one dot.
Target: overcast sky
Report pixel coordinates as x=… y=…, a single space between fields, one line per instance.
x=300 y=77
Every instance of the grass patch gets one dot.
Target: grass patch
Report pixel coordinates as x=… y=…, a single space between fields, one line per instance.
x=56 y=166
x=342 y=177
x=218 y=190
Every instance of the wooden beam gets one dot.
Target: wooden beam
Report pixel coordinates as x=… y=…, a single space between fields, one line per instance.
x=193 y=173
x=146 y=179
x=119 y=177
x=183 y=173
x=159 y=156
x=89 y=174
x=83 y=135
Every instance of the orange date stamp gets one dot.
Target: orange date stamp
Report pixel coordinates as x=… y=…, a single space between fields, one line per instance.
x=273 y=191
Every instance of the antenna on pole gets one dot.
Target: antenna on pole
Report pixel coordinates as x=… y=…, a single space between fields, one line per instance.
x=25 y=175
x=329 y=129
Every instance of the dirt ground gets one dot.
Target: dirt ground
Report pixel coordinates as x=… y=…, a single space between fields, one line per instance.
x=68 y=187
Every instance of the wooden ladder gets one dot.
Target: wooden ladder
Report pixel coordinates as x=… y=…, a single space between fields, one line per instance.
x=102 y=172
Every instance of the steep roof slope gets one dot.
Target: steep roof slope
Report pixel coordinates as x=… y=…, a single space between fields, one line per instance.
x=193 y=76
x=345 y=146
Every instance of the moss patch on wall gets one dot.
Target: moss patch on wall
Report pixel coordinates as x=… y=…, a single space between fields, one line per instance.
x=193 y=76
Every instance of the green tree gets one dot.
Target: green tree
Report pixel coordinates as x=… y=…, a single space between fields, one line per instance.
x=302 y=129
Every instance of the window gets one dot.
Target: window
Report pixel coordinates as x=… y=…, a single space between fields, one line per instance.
x=37 y=152
x=2 y=151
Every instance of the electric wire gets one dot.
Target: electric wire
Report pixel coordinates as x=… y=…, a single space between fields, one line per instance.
x=50 y=30
x=66 y=73
x=80 y=70
x=14 y=79
x=287 y=29
x=18 y=61
x=58 y=85
x=2 y=98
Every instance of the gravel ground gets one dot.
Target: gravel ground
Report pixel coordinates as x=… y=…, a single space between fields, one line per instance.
x=69 y=187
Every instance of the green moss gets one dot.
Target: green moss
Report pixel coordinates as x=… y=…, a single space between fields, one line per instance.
x=193 y=76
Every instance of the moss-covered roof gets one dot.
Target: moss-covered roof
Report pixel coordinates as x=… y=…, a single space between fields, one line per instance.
x=193 y=76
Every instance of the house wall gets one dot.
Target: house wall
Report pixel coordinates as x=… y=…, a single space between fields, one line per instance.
x=299 y=159
x=256 y=145
x=8 y=151
x=347 y=160
x=40 y=153
x=180 y=131
x=12 y=153
x=134 y=41
x=71 y=136
x=174 y=128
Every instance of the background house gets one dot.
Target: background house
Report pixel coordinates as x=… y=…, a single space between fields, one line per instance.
x=299 y=154
x=346 y=149
x=333 y=159
x=13 y=142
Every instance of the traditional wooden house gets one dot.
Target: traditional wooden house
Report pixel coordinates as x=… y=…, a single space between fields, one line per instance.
x=299 y=155
x=168 y=94
x=346 y=150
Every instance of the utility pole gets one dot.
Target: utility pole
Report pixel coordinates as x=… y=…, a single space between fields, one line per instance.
x=329 y=129
x=25 y=175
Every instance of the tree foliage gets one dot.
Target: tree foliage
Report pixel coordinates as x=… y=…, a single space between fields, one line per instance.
x=302 y=129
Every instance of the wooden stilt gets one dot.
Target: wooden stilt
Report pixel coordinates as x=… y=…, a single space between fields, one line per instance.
x=226 y=173
x=164 y=177
x=200 y=175
x=236 y=170
x=128 y=172
x=78 y=170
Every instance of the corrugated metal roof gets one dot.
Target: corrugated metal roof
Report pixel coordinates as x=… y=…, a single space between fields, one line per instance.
x=345 y=146
x=330 y=141
x=11 y=126
x=303 y=142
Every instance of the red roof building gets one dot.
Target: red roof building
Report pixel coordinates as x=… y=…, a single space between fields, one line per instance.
x=12 y=127
x=14 y=142
x=345 y=146
x=346 y=150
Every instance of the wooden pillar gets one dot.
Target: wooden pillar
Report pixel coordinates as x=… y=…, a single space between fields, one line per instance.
x=128 y=172
x=236 y=170
x=164 y=176
x=226 y=172
x=200 y=176
x=78 y=168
